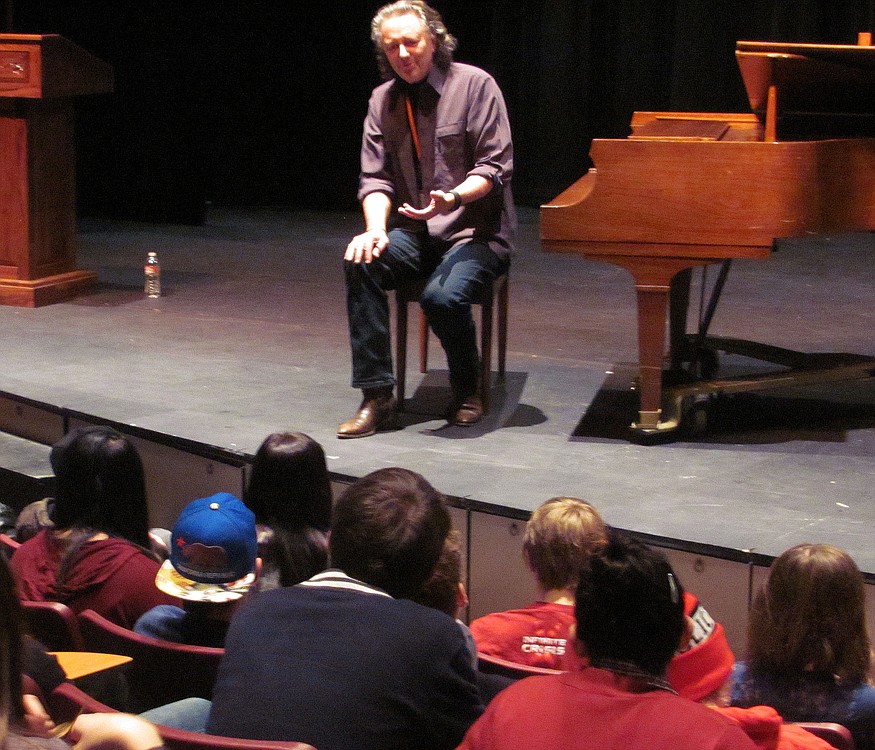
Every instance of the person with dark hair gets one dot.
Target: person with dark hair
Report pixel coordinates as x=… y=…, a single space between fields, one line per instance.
x=24 y=723
x=97 y=555
x=345 y=659
x=809 y=652
x=290 y=493
x=629 y=609
x=445 y=592
x=436 y=167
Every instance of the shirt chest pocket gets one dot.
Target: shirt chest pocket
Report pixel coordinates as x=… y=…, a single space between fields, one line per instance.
x=452 y=161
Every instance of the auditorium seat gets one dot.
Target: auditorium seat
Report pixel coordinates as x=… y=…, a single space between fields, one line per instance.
x=514 y=670
x=8 y=545
x=835 y=734
x=66 y=701
x=161 y=671
x=54 y=625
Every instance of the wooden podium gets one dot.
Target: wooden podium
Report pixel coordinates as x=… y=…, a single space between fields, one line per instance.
x=39 y=76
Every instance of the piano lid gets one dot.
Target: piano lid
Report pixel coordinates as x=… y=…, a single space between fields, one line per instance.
x=822 y=89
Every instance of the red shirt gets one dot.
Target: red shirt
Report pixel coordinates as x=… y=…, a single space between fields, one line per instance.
x=586 y=710
x=536 y=635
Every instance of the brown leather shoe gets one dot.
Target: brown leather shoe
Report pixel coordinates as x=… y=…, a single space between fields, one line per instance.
x=377 y=412
x=466 y=411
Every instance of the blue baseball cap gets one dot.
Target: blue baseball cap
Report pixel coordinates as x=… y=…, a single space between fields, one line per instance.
x=213 y=548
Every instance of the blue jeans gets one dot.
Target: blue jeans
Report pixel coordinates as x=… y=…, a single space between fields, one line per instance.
x=189 y=714
x=457 y=277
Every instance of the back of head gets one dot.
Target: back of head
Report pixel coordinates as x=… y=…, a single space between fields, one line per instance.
x=100 y=484
x=810 y=615
x=213 y=548
x=388 y=530
x=289 y=485
x=441 y=590
x=629 y=606
x=560 y=536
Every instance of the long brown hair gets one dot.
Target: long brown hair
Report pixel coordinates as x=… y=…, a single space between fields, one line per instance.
x=810 y=616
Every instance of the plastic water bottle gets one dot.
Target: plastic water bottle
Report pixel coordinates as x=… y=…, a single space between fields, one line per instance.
x=152 y=272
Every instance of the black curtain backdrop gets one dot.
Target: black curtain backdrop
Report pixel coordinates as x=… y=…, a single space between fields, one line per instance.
x=261 y=103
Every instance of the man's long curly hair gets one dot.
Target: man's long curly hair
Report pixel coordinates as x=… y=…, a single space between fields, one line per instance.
x=444 y=42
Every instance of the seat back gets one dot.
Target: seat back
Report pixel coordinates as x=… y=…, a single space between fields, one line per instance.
x=54 y=625
x=512 y=669
x=180 y=739
x=837 y=735
x=66 y=701
x=161 y=671
x=8 y=545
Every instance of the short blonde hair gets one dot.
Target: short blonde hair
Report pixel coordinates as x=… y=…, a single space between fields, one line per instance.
x=560 y=537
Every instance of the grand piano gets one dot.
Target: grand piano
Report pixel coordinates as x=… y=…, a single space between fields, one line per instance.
x=686 y=190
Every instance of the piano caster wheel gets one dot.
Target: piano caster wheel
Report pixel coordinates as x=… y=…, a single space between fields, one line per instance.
x=695 y=420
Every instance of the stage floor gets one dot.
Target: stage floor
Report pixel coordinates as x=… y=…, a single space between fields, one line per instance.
x=250 y=337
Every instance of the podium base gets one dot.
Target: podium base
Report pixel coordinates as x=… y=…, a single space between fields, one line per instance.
x=47 y=290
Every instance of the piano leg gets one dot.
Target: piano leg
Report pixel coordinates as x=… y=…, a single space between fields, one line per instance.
x=661 y=284
x=652 y=310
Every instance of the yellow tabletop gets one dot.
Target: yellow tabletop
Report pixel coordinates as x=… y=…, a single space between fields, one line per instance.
x=78 y=664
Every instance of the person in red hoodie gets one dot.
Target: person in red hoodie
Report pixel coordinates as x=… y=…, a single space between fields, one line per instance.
x=97 y=555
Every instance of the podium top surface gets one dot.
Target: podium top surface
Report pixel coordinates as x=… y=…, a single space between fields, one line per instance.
x=38 y=66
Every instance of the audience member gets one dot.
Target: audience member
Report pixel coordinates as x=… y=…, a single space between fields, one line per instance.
x=290 y=493
x=707 y=681
x=559 y=538
x=37 y=516
x=24 y=723
x=33 y=518
x=561 y=535
x=445 y=592
x=630 y=621
x=345 y=659
x=97 y=555
x=808 y=647
x=212 y=565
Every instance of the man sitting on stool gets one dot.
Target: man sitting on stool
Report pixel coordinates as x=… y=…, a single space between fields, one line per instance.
x=436 y=165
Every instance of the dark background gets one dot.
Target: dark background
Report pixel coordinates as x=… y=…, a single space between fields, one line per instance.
x=260 y=103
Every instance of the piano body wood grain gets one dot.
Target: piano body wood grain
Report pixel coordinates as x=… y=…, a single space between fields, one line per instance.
x=687 y=190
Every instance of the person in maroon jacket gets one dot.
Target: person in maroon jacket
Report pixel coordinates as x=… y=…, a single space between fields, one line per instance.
x=97 y=555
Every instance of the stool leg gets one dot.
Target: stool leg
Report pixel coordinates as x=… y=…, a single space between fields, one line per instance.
x=486 y=350
x=423 y=342
x=503 y=297
x=400 y=349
